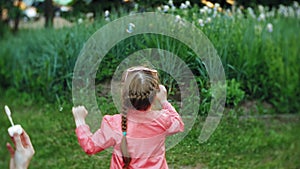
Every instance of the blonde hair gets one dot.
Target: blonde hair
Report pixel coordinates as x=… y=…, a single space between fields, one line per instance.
x=140 y=85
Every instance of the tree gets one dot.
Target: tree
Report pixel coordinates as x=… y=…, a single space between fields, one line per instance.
x=17 y=15
x=4 y=5
x=48 y=13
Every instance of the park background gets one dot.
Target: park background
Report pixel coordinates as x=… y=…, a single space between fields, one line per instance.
x=257 y=41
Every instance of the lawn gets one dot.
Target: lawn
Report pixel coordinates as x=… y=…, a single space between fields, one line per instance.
x=236 y=143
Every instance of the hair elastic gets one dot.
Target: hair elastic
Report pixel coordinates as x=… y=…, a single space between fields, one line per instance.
x=124 y=133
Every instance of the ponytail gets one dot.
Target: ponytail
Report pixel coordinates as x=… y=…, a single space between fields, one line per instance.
x=124 y=147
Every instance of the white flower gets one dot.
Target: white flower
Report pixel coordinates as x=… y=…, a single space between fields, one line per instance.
x=187 y=3
x=251 y=12
x=177 y=18
x=166 y=8
x=270 y=14
x=296 y=4
x=136 y=6
x=106 y=13
x=291 y=12
x=209 y=10
x=239 y=13
x=216 y=7
x=173 y=8
x=201 y=22
x=80 y=20
x=283 y=10
x=208 y=20
x=183 y=6
x=159 y=8
x=262 y=17
x=270 y=27
x=228 y=11
x=261 y=8
x=31 y=12
x=202 y=11
x=89 y=15
x=172 y=5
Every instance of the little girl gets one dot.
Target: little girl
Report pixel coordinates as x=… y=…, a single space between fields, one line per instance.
x=137 y=134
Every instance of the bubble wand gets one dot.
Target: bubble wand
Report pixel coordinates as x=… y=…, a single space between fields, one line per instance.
x=8 y=113
x=14 y=128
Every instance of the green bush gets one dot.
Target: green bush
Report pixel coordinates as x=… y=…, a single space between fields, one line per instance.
x=234 y=93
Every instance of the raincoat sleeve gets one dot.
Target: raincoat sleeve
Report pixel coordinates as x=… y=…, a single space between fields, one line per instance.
x=174 y=122
x=100 y=140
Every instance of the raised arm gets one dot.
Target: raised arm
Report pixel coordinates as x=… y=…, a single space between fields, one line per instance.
x=92 y=143
x=175 y=123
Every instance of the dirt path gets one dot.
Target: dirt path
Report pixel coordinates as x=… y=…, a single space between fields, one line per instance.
x=58 y=22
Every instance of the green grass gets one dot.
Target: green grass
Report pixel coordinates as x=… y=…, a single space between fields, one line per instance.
x=236 y=143
x=264 y=63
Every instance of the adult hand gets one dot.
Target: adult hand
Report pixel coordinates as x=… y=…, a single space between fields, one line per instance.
x=79 y=114
x=21 y=156
x=162 y=94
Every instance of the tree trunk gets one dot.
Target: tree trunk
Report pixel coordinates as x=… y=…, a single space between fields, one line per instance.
x=17 y=18
x=48 y=13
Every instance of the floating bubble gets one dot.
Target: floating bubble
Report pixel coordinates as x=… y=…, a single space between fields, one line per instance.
x=131 y=26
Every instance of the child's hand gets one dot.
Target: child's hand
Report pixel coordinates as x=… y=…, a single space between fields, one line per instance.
x=79 y=114
x=162 y=94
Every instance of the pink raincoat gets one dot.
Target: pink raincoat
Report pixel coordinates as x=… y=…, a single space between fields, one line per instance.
x=146 y=134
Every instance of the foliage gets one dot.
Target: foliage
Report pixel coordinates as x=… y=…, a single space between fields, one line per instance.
x=234 y=93
x=253 y=3
x=263 y=62
x=42 y=61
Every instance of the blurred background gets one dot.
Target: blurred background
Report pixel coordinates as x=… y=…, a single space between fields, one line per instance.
x=257 y=41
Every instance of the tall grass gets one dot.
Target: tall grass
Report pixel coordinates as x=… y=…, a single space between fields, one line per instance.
x=265 y=63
